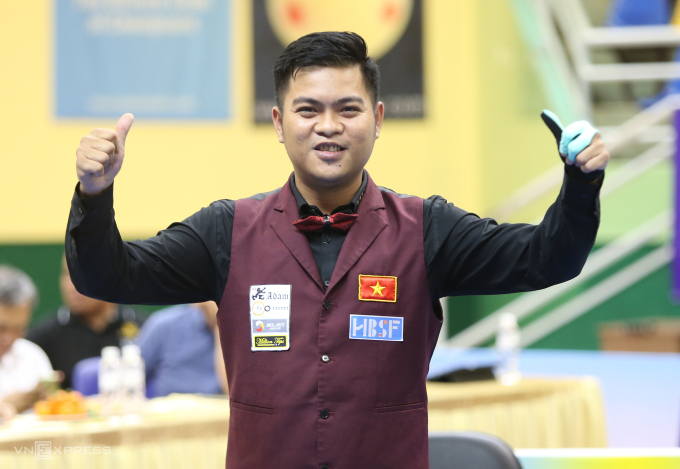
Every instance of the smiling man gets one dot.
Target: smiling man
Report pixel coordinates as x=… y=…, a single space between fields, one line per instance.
x=328 y=288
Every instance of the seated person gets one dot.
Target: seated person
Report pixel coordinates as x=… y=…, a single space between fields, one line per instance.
x=179 y=348
x=22 y=363
x=82 y=327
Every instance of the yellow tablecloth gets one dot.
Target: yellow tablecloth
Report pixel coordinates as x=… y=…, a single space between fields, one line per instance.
x=535 y=413
x=183 y=431
x=178 y=431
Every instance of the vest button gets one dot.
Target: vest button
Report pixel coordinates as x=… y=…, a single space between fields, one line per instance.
x=324 y=414
x=326 y=304
x=325 y=358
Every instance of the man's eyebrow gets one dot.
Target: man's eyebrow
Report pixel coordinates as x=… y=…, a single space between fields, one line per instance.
x=307 y=100
x=316 y=102
x=350 y=99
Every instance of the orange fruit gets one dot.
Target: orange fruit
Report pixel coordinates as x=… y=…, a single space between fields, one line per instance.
x=65 y=408
x=42 y=408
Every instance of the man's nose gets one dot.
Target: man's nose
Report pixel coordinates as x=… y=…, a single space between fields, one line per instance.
x=328 y=125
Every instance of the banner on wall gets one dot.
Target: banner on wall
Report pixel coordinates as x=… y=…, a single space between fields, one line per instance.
x=392 y=29
x=154 y=58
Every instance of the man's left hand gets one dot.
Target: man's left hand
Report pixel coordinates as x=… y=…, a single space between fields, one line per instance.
x=579 y=144
x=593 y=157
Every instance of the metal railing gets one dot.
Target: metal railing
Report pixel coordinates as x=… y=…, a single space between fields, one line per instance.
x=581 y=38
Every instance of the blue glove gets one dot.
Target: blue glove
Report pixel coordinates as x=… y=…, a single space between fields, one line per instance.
x=572 y=140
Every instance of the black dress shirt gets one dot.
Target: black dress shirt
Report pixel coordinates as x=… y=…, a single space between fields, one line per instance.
x=189 y=261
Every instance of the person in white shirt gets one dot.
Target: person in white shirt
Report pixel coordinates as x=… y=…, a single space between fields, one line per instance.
x=22 y=363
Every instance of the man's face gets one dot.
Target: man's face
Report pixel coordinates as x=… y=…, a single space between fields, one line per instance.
x=328 y=125
x=13 y=323
x=76 y=302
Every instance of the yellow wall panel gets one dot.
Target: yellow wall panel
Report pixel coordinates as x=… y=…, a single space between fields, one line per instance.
x=173 y=168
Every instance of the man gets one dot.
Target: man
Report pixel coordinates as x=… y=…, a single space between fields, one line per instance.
x=82 y=327
x=179 y=350
x=328 y=288
x=22 y=364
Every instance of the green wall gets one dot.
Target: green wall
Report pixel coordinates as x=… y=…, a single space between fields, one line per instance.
x=43 y=263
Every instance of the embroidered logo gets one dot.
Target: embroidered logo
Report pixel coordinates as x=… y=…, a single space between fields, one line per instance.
x=271 y=341
x=378 y=288
x=376 y=328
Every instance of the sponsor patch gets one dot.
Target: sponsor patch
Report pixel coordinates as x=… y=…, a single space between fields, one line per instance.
x=376 y=328
x=270 y=325
x=378 y=288
x=270 y=341
x=270 y=317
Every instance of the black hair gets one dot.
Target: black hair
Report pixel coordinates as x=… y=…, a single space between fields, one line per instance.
x=326 y=49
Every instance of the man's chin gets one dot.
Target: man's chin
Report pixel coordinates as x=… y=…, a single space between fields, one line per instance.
x=332 y=176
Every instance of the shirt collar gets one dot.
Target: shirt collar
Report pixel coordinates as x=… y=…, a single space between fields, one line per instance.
x=307 y=209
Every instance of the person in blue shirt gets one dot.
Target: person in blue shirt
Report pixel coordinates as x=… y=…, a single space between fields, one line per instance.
x=179 y=347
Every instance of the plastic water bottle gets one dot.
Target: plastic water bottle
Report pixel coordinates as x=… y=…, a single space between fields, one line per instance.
x=109 y=380
x=134 y=379
x=507 y=345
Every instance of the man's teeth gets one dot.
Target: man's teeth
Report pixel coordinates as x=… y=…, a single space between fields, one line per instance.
x=329 y=148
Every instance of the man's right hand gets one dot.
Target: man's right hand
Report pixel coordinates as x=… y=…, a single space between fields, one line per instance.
x=100 y=155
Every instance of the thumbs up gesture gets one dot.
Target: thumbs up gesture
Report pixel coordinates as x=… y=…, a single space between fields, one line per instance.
x=100 y=155
x=579 y=144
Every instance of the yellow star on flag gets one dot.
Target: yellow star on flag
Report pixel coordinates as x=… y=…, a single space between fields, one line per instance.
x=377 y=289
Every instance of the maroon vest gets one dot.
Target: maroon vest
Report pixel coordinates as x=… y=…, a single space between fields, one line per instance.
x=371 y=392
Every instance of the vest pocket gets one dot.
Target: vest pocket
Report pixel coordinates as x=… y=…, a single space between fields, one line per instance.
x=252 y=408
x=400 y=408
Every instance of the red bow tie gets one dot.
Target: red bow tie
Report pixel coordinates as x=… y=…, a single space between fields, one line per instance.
x=339 y=221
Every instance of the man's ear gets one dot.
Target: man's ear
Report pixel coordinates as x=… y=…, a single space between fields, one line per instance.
x=379 y=114
x=277 y=117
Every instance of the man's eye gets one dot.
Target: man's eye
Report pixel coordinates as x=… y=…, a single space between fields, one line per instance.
x=350 y=109
x=306 y=110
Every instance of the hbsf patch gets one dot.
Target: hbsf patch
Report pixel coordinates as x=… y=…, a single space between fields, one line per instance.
x=376 y=328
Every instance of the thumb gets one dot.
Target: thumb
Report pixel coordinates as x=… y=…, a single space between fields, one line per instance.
x=123 y=127
x=554 y=124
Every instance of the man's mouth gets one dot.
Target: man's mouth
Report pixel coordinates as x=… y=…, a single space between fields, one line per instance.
x=329 y=147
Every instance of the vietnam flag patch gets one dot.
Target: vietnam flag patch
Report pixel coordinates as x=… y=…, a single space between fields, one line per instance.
x=378 y=288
